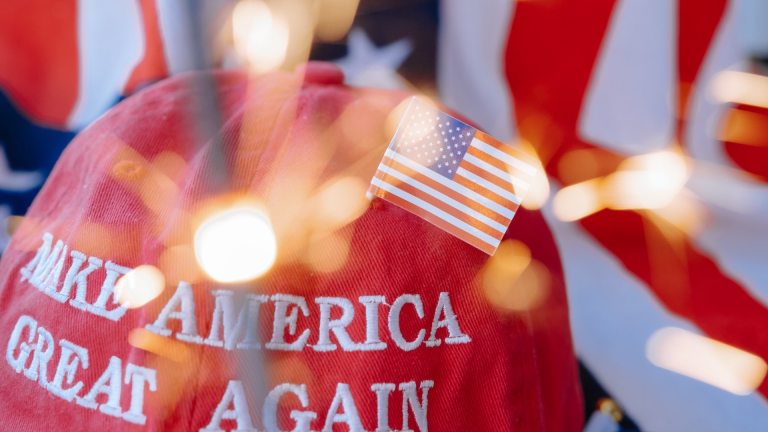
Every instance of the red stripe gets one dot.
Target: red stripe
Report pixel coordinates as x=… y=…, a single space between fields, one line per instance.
x=474 y=205
x=491 y=178
x=38 y=54
x=687 y=282
x=469 y=220
x=438 y=222
x=152 y=66
x=469 y=184
x=547 y=103
x=485 y=157
x=506 y=148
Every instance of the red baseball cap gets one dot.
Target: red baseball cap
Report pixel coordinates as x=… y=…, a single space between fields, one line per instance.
x=370 y=318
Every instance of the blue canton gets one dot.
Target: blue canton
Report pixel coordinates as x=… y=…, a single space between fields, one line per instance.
x=434 y=140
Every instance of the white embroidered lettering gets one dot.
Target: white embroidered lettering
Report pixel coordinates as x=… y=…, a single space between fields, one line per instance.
x=234 y=396
x=72 y=356
x=419 y=408
x=79 y=277
x=394 y=321
x=303 y=419
x=337 y=326
x=283 y=319
x=232 y=324
x=382 y=391
x=451 y=322
x=139 y=377
x=181 y=306
x=109 y=383
x=373 y=341
x=38 y=368
x=343 y=399
x=17 y=362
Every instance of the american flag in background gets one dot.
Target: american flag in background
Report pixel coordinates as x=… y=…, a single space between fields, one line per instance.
x=614 y=79
x=452 y=175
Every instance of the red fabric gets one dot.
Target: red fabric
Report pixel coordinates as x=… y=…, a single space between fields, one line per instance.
x=40 y=72
x=517 y=373
x=548 y=104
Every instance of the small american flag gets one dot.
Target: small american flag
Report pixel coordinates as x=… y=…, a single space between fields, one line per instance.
x=453 y=176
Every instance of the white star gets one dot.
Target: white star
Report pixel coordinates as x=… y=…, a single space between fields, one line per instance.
x=367 y=65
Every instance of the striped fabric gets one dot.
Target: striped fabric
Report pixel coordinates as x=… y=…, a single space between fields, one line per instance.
x=452 y=175
x=618 y=78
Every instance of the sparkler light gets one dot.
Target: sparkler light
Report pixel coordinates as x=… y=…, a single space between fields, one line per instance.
x=705 y=359
x=139 y=286
x=260 y=36
x=236 y=245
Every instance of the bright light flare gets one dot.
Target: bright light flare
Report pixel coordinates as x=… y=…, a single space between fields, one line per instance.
x=538 y=194
x=334 y=18
x=339 y=202
x=741 y=87
x=706 y=360
x=139 y=286
x=236 y=245
x=159 y=345
x=261 y=37
x=648 y=181
x=577 y=201
x=512 y=280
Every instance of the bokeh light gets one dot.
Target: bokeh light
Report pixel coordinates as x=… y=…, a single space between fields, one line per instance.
x=647 y=181
x=139 y=286
x=577 y=201
x=339 y=202
x=260 y=36
x=705 y=359
x=236 y=245
x=741 y=87
x=512 y=280
x=651 y=181
x=159 y=345
x=334 y=18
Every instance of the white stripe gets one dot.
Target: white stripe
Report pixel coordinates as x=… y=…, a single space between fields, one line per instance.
x=612 y=318
x=471 y=63
x=504 y=157
x=103 y=69
x=487 y=202
x=444 y=198
x=628 y=105
x=437 y=212
x=488 y=185
x=503 y=175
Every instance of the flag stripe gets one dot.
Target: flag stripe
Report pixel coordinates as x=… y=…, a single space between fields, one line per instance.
x=491 y=160
x=464 y=181
x=441 y=200
x=503 y=156
x=503 y=169
x=529 y=161
x=508 y=181
x=500 y=206
x=414 y=191
x=497 y=211
x=597 y=303
x=430 y=212
x=436 y=221
x=487 y=181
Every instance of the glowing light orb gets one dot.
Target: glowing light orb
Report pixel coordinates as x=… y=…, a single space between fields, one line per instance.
x=704 y=359
x=139 y=286
x=236 y=245
x=260 y=36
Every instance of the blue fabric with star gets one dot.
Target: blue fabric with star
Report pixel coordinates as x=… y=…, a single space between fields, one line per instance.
x=434 y=140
